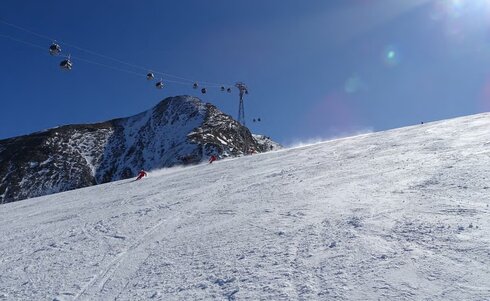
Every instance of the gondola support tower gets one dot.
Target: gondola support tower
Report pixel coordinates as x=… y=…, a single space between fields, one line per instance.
x=242 y=88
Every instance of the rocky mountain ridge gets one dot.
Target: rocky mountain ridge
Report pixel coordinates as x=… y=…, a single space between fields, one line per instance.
x=178 y=130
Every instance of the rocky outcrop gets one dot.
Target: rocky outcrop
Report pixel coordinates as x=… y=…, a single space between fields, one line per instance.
x=179 y=130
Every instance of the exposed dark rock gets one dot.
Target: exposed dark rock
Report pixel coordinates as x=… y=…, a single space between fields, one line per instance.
x=179 y=130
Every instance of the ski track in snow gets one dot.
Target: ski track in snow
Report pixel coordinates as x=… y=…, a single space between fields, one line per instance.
x=396 y=215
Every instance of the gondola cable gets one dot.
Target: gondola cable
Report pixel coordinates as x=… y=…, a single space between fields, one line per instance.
x=164 y=74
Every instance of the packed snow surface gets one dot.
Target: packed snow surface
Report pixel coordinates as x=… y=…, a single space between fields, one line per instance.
x=396 y=215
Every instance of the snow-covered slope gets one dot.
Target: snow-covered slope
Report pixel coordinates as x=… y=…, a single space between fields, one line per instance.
x=179 y=130
x=396 y=215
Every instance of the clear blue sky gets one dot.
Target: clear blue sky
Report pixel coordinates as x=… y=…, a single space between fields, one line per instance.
x=315 y=69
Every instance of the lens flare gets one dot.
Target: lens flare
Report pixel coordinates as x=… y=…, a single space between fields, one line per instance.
x=354 y=84
x=391 y=56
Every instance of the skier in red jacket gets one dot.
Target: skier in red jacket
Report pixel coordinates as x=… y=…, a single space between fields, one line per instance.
x=212 y=159
x=141 y=174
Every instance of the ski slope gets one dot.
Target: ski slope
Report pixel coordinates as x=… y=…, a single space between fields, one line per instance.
x=396 y=215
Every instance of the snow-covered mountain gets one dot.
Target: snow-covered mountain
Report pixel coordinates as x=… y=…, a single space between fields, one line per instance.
x=179 y=130
x=396 y=215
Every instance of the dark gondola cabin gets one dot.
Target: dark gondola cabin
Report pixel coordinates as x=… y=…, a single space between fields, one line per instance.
x=54 y=49
x=66 y=64
x=159 y=85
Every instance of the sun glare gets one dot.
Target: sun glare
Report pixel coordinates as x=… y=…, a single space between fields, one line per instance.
x=461 y=18
x=458 y=8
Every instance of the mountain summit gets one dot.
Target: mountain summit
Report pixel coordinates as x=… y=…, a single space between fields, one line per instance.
x=178 y=130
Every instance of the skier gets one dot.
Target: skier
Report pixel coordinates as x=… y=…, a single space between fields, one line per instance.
x=141 y=174
x=212 y=159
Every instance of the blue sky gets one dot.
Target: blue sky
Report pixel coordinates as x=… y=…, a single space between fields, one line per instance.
x=315 y=69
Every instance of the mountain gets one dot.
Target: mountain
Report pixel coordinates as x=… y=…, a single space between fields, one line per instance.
x=179 y=130
x=395 y=215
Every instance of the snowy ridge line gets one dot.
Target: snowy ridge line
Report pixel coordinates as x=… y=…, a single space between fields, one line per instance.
x=316 y=141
